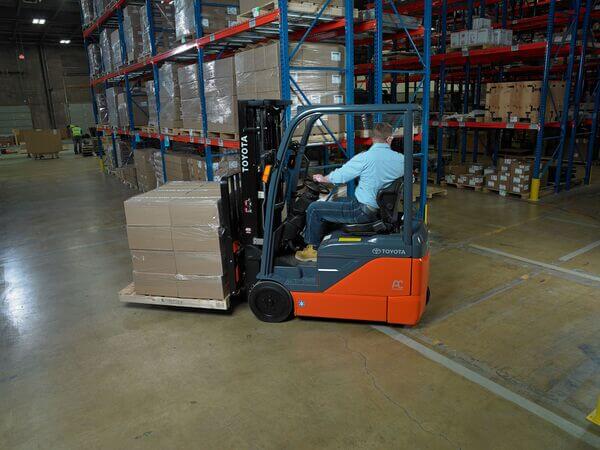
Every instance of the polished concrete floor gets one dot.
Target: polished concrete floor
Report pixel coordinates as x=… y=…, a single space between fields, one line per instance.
x=515 y=300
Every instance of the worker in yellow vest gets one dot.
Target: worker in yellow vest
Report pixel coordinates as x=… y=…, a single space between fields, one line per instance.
x=76 y=136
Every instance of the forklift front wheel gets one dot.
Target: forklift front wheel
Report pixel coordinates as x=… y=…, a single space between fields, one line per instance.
x=270 y=302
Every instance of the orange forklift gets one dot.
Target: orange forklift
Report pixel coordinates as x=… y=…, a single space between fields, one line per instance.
x=376 y=271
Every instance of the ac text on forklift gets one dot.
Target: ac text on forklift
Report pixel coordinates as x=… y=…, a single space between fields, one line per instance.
x=376 y=168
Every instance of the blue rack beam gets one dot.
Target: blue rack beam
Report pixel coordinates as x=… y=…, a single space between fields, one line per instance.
x=200 y=64
x=535 y=182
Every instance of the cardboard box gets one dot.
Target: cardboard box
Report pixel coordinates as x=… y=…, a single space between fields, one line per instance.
x=202 y=287
x=147 y=211
x=155 y=284
x=193 y=212
x=39 y=142
x=149 y=238
x=153 y=261
x=177 y=166
x=199 y=263
x=196 y=239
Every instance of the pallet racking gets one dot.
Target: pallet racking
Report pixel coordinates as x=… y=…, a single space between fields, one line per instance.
x=414 y=59
x=279 y=24
x=511 y=63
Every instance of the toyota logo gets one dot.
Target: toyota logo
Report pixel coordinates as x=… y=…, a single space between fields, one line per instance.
x=376 y=251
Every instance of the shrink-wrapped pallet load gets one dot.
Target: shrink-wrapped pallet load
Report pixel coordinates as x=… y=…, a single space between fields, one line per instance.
x=175 y=237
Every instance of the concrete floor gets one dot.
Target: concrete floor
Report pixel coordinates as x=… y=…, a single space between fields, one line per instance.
x=78 y=369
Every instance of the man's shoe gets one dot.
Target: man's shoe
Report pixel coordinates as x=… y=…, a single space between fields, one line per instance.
x=308 y=254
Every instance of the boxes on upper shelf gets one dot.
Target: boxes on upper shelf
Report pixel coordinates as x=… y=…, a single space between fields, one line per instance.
x=257 y=76
x=170 y=99
x=214 y=17
x=520 y=101
x=139 y=108
x=164 y=28
x=132 y=30
x=221 y=96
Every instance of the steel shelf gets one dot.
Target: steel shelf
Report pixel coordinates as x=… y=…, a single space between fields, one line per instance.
x=225 y=143
x=253 y=31
x=106 y=15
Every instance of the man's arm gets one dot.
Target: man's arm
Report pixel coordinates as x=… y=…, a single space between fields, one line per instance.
x=349 y=171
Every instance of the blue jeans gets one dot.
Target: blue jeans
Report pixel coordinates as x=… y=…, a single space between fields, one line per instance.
x=343 y=211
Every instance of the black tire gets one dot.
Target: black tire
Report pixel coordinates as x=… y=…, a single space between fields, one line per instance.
x=428 y=295
x=270 y=302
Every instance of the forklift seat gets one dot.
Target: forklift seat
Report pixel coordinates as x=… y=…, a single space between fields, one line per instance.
x=389 y=200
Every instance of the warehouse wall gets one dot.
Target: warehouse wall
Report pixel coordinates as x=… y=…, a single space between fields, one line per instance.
x=23 y=82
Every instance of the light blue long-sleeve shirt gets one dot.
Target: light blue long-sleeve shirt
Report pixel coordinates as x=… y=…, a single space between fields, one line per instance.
x=377 y=167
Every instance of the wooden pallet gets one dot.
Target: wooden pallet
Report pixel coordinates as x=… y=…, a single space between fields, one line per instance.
x=128 y=295
x=224 y=136
x=187 y=132
x=462 y=186
x=293 y=7
x=432 y=191
x=149 y=129
x=523 y=196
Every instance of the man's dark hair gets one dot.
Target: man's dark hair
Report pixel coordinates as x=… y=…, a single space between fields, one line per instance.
x=382 y=131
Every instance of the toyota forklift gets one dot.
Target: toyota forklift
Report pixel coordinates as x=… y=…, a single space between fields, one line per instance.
x=376 y=271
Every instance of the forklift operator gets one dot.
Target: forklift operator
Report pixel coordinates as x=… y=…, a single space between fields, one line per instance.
x=377 y=168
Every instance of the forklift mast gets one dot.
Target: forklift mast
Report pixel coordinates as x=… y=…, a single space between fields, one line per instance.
x=260 y=134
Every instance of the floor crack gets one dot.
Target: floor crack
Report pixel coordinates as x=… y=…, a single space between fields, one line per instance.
x=390 y=399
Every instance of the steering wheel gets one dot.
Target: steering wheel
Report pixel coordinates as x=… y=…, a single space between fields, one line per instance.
x=317 y=188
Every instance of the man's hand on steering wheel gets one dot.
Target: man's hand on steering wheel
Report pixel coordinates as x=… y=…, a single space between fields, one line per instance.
x=320 y=178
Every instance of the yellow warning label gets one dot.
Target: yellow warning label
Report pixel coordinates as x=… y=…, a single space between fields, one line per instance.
x=349 y=239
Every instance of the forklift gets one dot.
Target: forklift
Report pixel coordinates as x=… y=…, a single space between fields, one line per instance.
x=376 y=271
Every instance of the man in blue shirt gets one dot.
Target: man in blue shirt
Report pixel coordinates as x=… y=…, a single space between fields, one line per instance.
x=377 y=168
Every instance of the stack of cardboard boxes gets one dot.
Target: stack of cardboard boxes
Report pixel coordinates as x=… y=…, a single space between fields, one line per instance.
x=465 y=175
x=102 y=108
x=254 y=8
x=191 y=107
x=112 y=103
x=95 y=60
x=513 y=176
x=257 y=76
x=170 y=98
x=221 y=97
x=175 y=239
x=150 y=94
x=214 y=17
x=513 y=101
x=143 y=159
x=132 y=29
x=115 y=50
x=164 y=24
x=176 y=166
x=139 y=108
x=106 y=50
x=222 y=166
x=481 y=34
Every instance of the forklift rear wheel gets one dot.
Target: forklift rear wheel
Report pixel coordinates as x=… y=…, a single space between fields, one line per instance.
x=270 y=302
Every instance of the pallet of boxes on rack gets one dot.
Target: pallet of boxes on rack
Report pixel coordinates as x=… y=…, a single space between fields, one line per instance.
x=216 y=15
x=254 y=8
x=258 y=71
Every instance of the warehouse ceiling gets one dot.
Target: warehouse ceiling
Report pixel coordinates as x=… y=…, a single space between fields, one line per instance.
x=63 y=21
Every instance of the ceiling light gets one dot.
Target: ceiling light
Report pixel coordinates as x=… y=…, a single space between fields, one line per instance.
x=65 y=41
x=38 y=21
